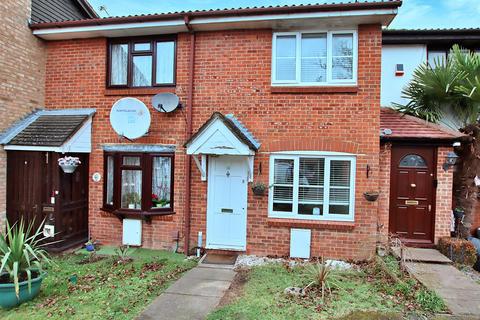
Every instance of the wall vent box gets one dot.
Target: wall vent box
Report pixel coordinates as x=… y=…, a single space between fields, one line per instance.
x=300 y=241
x=132 y=232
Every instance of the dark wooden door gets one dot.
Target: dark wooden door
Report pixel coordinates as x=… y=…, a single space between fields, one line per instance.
x=26 y=185
x=412 y=189
x=72 y=220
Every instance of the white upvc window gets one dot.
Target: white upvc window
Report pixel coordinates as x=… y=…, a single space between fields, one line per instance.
x=314 y=186
x=319 y=58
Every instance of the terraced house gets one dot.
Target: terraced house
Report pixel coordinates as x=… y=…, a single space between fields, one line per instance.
x=256 y=130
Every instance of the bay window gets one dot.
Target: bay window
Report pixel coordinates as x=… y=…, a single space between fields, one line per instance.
x=138 y=182
x=306 y=186
x=141 y=62
x=314 y=58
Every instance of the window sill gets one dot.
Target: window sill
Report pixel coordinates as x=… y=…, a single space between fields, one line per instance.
x=144 y=215
x=319 y=89
x=138 y=91
x=311 y=224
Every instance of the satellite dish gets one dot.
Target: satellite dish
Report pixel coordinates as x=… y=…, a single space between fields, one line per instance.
x=130 y=118
x=165 y=102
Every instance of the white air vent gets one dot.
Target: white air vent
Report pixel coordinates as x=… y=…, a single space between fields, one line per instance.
x=132 y=232
x=300 y=241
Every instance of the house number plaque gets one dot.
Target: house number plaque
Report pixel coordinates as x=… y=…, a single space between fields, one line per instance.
x=411 y=202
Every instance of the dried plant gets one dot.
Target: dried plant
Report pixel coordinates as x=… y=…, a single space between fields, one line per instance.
x=320 y=275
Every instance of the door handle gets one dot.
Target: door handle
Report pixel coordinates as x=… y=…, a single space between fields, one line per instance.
x=413 y=185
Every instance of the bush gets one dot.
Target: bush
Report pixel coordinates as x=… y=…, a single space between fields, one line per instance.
x=458 y=250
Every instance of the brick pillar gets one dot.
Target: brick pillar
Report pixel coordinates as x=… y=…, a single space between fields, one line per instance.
x=443 y=203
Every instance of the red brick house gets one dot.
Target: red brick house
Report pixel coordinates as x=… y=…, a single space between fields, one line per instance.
x=285 y=96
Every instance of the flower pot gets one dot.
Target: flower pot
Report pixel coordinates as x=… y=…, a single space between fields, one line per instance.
x=371 y=196
x=458 y=214
x=90 y=247
x=8 y=298
x=258 y=190
x=68 y=168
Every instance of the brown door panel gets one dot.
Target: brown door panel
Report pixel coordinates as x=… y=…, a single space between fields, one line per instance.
x=412 y=192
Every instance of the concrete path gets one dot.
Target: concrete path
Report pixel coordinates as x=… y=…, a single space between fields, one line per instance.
x=422 y=255
x=193 y=296
x=460 y=294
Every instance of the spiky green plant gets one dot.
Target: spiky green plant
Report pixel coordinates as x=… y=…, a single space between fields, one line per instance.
x=21 y=252
x=448 y=86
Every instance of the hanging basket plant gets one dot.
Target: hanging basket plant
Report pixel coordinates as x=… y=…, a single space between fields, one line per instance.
x=259 y=188
x=371 y=196
x=69 y=164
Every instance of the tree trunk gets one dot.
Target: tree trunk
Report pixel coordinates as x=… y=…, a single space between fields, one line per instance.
x=467 y=168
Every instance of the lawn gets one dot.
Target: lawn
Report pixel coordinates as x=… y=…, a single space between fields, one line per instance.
x=367 y=292
x=105 y=289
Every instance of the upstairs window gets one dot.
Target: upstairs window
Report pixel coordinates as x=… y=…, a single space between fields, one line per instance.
x=316 y=187
x=141 y=63
x=314 y=58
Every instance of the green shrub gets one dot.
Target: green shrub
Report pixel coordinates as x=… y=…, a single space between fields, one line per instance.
x=458 y=250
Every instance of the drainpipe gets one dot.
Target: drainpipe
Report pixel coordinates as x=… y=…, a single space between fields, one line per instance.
x=188 y=159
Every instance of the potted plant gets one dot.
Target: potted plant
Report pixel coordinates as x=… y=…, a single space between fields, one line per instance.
x=133 y=200
x=90 y=246
x=458 y=212
x=159 y=203
x=371 y=195
x=69 y=164
x=21 y=262
x=259 y=188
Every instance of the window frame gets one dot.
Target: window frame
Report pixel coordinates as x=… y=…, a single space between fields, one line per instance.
x=146 y=167
x=328 y=156
x=132 y=53
x=330 y=81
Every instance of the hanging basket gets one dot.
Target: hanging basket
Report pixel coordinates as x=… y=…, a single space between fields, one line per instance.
x=371 y=196
x=69 y=168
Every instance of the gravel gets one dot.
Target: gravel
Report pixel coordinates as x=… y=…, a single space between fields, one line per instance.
x=247 y=261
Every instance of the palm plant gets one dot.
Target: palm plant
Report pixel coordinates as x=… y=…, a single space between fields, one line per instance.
x=449 y=91
x=21 y=254
x=320 y=274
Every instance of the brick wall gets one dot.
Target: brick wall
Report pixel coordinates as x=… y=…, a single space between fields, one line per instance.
x=22 y=75
x=232 y=75
x=384 y=198
x=443 y=213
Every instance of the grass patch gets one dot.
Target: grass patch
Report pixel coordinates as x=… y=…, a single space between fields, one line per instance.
x=105 y=289
x=369 y=293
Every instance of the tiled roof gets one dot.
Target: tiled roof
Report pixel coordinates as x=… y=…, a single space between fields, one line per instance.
x=326 y=6
x=51 y=131
x=409 y=127
x=49 y=128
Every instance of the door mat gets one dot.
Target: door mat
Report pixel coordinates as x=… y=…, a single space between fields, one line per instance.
x=225 y=259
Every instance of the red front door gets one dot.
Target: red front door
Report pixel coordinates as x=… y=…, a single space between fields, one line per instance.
x=412 y=208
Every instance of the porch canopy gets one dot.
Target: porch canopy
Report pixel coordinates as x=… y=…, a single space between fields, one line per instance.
x=222 y=135
x=398 y=127
x=59 y=131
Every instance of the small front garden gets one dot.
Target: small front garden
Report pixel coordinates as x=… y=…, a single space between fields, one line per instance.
x=377 y=290
x=111 y=284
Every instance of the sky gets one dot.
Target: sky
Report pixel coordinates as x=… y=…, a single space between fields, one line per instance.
x=413 y=14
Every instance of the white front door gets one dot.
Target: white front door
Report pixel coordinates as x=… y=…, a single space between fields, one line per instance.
x=227 y=203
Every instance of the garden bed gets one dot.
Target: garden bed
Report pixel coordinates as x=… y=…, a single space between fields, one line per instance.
x=103 y=289
x=365 y=290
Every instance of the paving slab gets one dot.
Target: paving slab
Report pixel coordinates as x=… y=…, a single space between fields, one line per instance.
x=422 y=255
x=192 y=297
x=460 y=294
x=173 y=306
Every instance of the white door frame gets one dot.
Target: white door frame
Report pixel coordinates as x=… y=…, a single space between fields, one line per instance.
x=211 y=206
